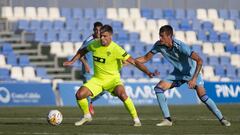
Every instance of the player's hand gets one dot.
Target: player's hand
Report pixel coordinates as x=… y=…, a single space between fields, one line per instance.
x=192 y=84
x=151 y=75
x=67 y=63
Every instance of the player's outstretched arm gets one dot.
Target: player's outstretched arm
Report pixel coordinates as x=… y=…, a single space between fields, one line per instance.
x=197 y=58
x=78 y=55
x=145 y=58
x=140 y=66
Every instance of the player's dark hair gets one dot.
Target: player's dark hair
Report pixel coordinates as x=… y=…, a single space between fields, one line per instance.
x=97 y=24
x=106 y=28
x=167 y=29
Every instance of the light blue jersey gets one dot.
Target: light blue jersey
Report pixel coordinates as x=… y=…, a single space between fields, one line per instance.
x=88 y=58
x=180 y=57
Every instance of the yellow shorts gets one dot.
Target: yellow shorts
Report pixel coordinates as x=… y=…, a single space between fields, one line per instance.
x=97 y=85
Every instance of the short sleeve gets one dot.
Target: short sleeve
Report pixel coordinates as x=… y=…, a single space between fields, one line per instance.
x=155 y=48
x=186 y=50
x=121 y=53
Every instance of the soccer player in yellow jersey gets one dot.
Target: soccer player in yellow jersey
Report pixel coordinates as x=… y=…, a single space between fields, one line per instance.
x=107 y=57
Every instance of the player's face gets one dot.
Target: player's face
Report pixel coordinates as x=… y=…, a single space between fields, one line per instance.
x=106 y=38
x=97 y=32
x=164 y=38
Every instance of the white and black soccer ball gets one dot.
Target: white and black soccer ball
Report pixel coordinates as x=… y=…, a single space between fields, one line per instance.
x=54 y=117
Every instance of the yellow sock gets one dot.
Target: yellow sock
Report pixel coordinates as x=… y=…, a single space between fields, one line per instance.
x=130 y=107
x=83 y=105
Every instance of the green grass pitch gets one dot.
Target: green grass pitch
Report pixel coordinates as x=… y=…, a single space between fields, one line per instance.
x=191 y=120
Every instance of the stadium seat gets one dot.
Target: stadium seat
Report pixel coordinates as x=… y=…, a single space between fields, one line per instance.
x=51 y=36
x=197 y=48
x=212 y=14
x=234 y=36
x=196 y=25
x=68 y=49
x=100 y=13
x=7 y=48
x=151 y=25
x=12 y=59
x=174 y=24
x=234 y=14
x=134 y=13
x=213 y=60
x=75 y=36
x=16 y=73
x=41 y=72
x=77 y=45
x=202 y=36
x=7 y=12
x=231 y=72
x=169 y=14
x=31 y=13
x=207 y=25
x=191 y=37
x=238 y=48
x=58 y=25
x=29 y=74
x=161 y=22
x=180 y=14
x=229 y=47
x=218 y=25
x=42 y=13
x=229 y=26
x=147 y=13
x=123 y=13
x=213 y=36
x=56 y=48
x=207 y=48
x=77 y=13
x=35 y=25
x=157 y=13
x=208 y=72
x=23 y=25
x=223 y=14
x=3 y=63
x=4 y=74
x=47 y=25
x=235 y=58
x=70 y=24
x=112 y=13
x=185 y=25
x=224 y=37
x=180 y=35
x=137 y=73
x=89 y=13
x=117 y=25
x=237 y=22
x=23 y=60
x=66 y=12
x=40 y=36
x=145 y=37
x=122 y=36
x=133 y=36
x=191 y=14
x=219 y=71
x=224 y=60
x=54 y=14
x=19 y=13
x=201 y=14
x=126 y=72
x=140 y=25
x=63 y=36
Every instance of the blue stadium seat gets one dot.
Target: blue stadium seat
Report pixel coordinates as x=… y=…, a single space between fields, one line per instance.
x=238 y=72
x=23 y=24
x=12 y=59
x=207 y=25
x=117 y=25
x=7 y=48
x=237 y=23
x=224 y=37
x=35 y=25
x=213 y=60
x=213 y=36
x=70 y=24
x=66 y=12
x=58 y=25
x=234 y=14
x=63 y=36
x=89 y=13
x=202 y=35
x=223 y=13
x=40 y=36
x=229 y=47
x=224 y=60
x=122 y=36
x=51 y=36
x=185 y=25
x=169 y=14
x=137 y=73
x=126 y=72
x=180 y=14
x=139 y=49
x=23 y=60
x=191 y=14
x=238 y=48
x=175 y=24
x=41 y=72
x=196 y=25
x=47 y=25
x=133 y=37
x=197 y=48
x=231 y=71
x=147 y=13
x=4 y=74
x=101 y=13
x=220 y=71
x=75 y=36
x=157 y=13
x=77 y=13
x=83 y=25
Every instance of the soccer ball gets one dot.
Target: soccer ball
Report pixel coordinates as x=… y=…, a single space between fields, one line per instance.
x=54 y=117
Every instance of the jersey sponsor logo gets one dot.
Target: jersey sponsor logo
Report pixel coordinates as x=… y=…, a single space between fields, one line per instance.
x=98 y=59
x=227 y=90
x=108 y=53
x=125 y=54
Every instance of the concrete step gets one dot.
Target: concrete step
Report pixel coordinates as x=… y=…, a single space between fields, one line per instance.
x=43 y=63
x=19 y=46
x=64 y=76
x=55 y=70
x=38 y=57
x=27 y=51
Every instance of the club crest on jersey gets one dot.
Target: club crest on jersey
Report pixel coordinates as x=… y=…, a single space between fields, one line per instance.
x=108 y=53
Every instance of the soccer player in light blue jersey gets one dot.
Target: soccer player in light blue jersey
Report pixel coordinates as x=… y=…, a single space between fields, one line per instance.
x=87 y=60
x=187 y=66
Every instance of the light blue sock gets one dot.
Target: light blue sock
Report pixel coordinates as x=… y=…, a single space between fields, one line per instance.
x=162 y=101
x=212 y=106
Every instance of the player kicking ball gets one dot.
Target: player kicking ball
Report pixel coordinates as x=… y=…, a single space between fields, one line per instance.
x=187 y=66
x=107 y=57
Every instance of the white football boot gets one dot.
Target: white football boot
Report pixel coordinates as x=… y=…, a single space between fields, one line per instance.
x=165 y=122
